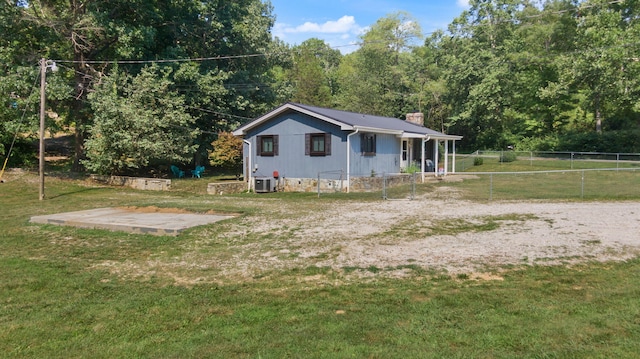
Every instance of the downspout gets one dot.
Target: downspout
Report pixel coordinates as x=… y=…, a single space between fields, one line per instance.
x=349 y=158
x=424 y=142
x=249 y=169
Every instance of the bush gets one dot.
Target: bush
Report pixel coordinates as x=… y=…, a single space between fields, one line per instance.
x=478 y=161
x=227 y=151
x=508 y=156
x=412 y=168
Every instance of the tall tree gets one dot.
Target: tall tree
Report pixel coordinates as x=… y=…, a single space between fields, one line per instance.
x=139 y=121
x=314 y=73
x=604 y=65
x=91 y=36
x=372 y=78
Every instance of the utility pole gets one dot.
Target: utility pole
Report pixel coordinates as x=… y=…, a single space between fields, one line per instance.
x=44 y=64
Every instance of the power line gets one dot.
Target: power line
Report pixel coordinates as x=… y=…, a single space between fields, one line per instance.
x=577 y=9
x=222 y=114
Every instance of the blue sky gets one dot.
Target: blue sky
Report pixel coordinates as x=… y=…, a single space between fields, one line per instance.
x=340 y=22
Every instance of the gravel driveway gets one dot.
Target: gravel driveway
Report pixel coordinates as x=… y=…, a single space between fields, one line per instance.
x=391 y=238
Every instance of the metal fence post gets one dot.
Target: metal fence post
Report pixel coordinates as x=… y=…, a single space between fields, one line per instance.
x=413 y=186
x=582 y=186
x=531 y=158
x=491 y=187
x=384 y=185
x=571 y=160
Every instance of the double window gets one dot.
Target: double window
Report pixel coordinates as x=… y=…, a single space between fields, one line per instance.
x=317 y=144
x=268 y=145
x=368 y=144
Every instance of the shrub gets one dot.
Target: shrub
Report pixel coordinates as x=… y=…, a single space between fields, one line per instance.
x=508 y=156
x=478 y=161
x=412 y=168
x=227 y=151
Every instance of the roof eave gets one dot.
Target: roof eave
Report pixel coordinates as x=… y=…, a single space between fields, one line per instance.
x=378 y=130
x=242 y=130
x=431 y=136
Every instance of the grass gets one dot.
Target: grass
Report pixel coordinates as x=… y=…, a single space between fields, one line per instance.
x=492 y=164
x=57 y=301
x=589 y=184
x=412 y=229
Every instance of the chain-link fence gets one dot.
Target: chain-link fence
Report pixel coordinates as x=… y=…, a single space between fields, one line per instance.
x=604 y=184
x=382 y=185
x=548 y=159
x=553 y=175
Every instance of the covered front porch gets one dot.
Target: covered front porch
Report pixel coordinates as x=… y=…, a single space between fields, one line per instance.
x=424 y=152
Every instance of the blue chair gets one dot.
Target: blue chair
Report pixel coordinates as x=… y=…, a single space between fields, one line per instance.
x=197 y=172
x=177 y=172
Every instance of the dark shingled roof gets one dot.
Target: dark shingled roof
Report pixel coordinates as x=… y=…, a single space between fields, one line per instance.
x=364 y=120
x=352 y=120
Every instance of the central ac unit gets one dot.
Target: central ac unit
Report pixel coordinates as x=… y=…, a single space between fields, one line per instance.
x=263 y=185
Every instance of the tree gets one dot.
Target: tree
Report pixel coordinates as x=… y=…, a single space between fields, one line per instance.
x=604 y=67
x=227 y=151
x=372 y=78
x=314 y=73
x=139 y=121
x=91 y=36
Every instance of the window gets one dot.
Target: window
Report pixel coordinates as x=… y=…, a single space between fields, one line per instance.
x=267 y=145
x=317 y=144
x=368 y=144
x=405 y=150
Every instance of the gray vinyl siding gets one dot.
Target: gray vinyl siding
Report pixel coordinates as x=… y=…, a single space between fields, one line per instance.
x=386 y=159
x=291 y=161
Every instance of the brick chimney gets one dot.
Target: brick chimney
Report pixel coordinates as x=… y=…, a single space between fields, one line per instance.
x=416 y=117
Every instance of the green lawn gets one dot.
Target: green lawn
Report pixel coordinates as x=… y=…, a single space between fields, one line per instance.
x=551 y=179
x=57 y=302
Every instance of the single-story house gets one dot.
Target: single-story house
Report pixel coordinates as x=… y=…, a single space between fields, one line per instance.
x=296 y=142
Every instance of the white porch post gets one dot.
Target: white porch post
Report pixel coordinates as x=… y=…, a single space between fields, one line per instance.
x=453 y=158
x=446 y=156
x=435 y=156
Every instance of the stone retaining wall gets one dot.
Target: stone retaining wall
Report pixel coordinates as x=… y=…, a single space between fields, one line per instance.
x=226 y=187
x=148 y=184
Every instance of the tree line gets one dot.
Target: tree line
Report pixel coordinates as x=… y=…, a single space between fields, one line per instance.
x=144 y=83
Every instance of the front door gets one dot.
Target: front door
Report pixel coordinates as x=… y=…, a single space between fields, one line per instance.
x=405 y=155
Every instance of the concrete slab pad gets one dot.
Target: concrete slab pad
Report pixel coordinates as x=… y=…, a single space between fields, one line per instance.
x=131 y=220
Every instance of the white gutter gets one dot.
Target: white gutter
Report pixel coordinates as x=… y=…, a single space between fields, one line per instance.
x=250 y=168
x=378 y=130
x=349 y=158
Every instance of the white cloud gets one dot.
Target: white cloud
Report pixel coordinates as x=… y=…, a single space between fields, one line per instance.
x=346 y=24
x=341 y=34
x=463 y=3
